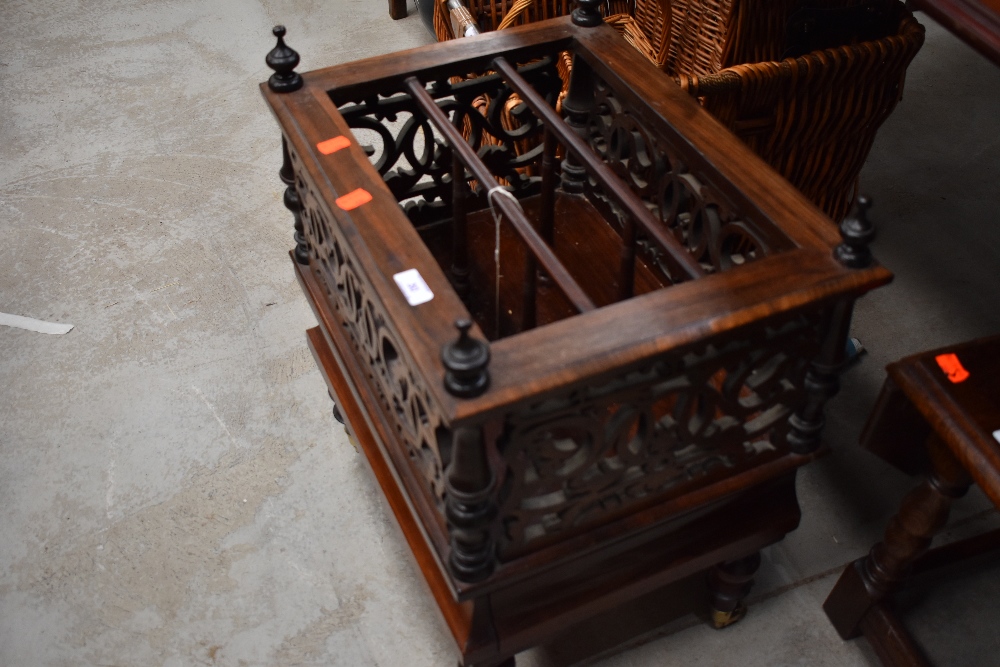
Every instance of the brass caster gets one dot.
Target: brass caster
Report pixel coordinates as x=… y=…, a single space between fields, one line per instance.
x=723 y=619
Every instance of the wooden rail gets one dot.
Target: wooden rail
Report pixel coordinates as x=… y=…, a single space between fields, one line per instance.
x=610 y=181
x=535 y=243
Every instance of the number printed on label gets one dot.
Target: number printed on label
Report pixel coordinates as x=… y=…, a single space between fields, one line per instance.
x=413 y=287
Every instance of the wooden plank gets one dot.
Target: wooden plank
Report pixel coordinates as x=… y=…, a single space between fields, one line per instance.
x=519 y=44
x=658 y=322
x=977 y=22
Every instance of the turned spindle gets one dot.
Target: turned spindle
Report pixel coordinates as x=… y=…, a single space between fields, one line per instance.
x=469 y=507
x=857 y=233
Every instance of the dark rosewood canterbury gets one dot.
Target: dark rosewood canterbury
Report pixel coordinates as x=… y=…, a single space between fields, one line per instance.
x=649 y=322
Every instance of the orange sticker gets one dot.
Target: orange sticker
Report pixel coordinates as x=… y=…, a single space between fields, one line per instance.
x=952 y=367
x=333 y=145
x=352 y=200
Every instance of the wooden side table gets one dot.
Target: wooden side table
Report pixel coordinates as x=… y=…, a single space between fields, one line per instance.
x=950 y=400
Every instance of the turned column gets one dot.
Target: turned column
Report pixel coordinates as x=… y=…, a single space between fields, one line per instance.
x=293 y=203
x=579 y=102
x=283 y=60
x=822 y=380
x=469 y=508
x=469 y=479
x=923 y=513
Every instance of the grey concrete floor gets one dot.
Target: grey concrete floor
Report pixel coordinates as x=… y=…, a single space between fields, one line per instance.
x=173 y=489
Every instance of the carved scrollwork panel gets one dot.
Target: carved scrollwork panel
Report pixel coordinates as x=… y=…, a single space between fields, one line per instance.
x=406 y=402
x=415 y=162
x=702 y=219
x=577 y=460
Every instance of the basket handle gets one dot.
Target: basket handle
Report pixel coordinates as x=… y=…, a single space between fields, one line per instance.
x=515 y=11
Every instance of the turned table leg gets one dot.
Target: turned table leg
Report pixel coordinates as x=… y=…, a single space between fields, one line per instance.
x=397 y=9
x=730 y=583
x=923 y=513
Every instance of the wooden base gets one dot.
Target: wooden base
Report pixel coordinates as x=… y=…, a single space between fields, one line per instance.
x=533 y=609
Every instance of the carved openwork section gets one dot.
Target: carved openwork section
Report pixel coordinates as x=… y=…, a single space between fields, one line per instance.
x=584 y=458
x=698 y=215
x=403 y=393
x=413 y=159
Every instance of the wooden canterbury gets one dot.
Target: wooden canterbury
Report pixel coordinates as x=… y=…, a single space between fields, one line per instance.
x=582 y=440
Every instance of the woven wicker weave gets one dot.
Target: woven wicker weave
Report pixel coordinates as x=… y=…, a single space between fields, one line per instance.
x=643 y=23
x=499 y=14
x=813 y=118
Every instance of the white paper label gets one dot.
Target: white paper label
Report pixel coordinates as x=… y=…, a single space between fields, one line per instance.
x=413 y=287
x=996 y=435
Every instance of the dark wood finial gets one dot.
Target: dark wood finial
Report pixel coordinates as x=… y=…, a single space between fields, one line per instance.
x=857 y=232
x=466 y=360
x=283 y=60
x=587 y=13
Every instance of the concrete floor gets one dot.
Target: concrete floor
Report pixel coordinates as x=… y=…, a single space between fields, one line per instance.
x=173 y=489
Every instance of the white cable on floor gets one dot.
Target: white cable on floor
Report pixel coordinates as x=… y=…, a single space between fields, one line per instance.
x=31 y=324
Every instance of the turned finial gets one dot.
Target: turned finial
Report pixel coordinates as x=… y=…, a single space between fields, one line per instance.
x=857 y=232
x=587 y=13
x=283 y=60
x=466 y=360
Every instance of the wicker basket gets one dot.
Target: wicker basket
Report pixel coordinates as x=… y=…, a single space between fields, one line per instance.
x=813 y=118
x=635 y=20
x=642 y=22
